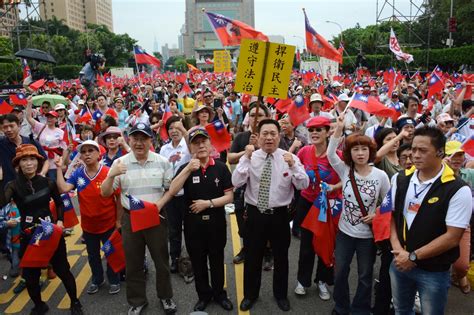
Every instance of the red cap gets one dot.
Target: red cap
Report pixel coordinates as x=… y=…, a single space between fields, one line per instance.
x=319 y=121
x=52 y=113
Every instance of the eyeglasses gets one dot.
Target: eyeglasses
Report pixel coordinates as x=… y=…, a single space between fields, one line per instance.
x=404 y=157
x=317 y=129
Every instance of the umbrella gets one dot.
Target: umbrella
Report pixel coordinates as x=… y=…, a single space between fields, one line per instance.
x=35 y=54
x=52 y=98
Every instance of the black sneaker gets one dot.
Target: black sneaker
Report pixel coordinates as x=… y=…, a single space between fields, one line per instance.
x=174 y=265
x=20 y=286
x=169 y=306
x=240 y=257
x=76 y=308
x=40 y=309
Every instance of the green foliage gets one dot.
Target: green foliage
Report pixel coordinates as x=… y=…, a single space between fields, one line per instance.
x=180 y=64
x=5 y=47
x=191 y=61
x=66 y=72
x=9 y=73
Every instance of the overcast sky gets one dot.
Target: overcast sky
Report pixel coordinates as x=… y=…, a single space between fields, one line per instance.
x=145 y=19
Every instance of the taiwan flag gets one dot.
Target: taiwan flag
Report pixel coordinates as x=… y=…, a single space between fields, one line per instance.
x=18 y=99
x=370 y=104
x=70 y=217
x=231 y=32
x=318 y=45
x=42 y=246
x=143 y=214
x=141 y=57
x=382 y=219
x=468 y=146
x=220 y=137
x=298 y=111
x=37 y=84
x=435 y=84
x=166 y=115
x=5 y=108
x=114 y=253
x=322 y=220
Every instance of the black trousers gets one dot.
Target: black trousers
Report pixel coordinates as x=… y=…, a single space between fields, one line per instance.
x=60 y=266
x=175 y=210
x=383 y=292
x=239 y=210
x=260 y=229
x=205 y=237
x=306 y=256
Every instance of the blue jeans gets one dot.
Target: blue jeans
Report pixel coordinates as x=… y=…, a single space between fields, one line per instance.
x=432 y=286
x=93 y=244
x=346 y=246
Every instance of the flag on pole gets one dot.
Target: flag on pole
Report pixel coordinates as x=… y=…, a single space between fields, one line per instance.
x=318 y=45
x=435 y=84
x=143 y=214
x=42 y=246
x=26 y=69
x=395 y=48
x=193 y=69
x=37 y=84
x=5 y=108
x=18 y=99
x=371 y=104
x=114 y=253
x=298 y=111
x=141 y=57
x=231 y=32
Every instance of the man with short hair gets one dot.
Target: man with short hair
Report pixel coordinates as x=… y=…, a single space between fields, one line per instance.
x=103 y=110
x=315 y=105
x=271 y=174
x=25 y=127
x=145 y=175
x=432 y=209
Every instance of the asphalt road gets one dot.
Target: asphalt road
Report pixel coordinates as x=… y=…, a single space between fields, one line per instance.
x=184 y=294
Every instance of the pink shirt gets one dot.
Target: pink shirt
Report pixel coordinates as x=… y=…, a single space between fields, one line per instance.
x=50 y=138
x=326 y=173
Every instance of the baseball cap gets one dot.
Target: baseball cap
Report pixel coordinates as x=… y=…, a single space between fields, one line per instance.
x=444 y=117
x=404 y=121
x=81 y=102
x=336 y=84
x=316 y=97
x=453 y=147
x=343 y=98
x=88 y=142
x=59 y=107
x=141 y=127
x=52 y=113
x=198 y=132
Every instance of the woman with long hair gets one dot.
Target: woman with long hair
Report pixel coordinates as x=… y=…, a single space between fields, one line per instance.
x=362 y=186
x=320 y=172
x=32 y=193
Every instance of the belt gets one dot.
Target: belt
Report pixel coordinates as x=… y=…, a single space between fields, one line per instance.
x=269 y=210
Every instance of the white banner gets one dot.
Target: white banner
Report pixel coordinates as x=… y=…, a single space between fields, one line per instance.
x=395 y=48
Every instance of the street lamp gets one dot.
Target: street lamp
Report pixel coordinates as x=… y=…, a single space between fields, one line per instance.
x=340 y=28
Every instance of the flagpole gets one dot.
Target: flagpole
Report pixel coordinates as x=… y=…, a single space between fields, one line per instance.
x=136 y=65
x=260 y=89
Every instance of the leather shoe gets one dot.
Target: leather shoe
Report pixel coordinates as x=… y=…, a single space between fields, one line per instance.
x=225 y=303
x=201 y=305
x=240 y=257
x=174 y=266
x=284 y=304
x=246 y=304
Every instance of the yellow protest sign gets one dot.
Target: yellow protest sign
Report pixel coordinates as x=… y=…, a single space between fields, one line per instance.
x=250 y=68
x=279 y=63
x=278 y=70
x=222 y=61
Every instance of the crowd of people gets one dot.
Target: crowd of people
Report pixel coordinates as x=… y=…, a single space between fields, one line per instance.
x=111 y=146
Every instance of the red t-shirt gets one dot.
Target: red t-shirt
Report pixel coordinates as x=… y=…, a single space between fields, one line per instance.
x=98 y=214
x=325 y=170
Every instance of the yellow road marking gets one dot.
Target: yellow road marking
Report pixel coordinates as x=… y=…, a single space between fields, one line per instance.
x=54 y=284
x=19 y=303
x=81 y=281
x=73 y=242
x=7 y=296
x=239 y=269
x=225 y=276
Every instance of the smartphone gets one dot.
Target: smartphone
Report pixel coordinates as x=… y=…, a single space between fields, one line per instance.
x=218 y=102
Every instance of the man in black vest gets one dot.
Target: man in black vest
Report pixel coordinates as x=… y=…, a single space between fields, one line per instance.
x=432 y=209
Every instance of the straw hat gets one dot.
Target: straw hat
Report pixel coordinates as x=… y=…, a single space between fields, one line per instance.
x=202 y=107
x=25 y=150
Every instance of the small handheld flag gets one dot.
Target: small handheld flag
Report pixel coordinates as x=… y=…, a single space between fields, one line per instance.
x=143 y=214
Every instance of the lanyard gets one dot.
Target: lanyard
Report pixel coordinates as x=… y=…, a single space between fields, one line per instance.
x=421 y=191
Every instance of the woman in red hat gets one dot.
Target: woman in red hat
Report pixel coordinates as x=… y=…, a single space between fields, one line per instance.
x=31 y=193
x=320 y=172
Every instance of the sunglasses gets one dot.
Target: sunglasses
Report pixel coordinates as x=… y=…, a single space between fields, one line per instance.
x=317 y=129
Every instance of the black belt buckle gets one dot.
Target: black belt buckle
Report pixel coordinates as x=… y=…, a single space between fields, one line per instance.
x=268 y=211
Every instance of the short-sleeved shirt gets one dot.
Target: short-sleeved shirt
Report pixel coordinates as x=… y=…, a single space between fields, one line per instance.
x=326 y=173
x=176 y=156
x=237 y=110
x=207 y=183
x=107 y=161
x=241 y=140
x=98 y=214
x=147 y=182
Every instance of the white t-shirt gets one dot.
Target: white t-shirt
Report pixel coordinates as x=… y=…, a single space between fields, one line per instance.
x=460 y=205
x=176 y=156
x=371 y=187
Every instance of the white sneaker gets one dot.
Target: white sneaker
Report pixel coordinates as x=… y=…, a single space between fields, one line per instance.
x=323 y=291
x=417 y=305
x=300 y=290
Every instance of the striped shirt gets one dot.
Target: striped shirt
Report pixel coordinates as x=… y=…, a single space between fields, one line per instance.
x=147 y=182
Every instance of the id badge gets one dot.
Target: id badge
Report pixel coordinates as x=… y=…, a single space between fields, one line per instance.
x=413 y=207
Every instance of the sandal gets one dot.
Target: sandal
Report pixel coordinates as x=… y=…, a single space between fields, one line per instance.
x=464 y=285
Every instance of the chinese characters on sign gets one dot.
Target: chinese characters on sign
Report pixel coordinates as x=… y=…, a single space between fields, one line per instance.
x=222 y=61
x=277 y=72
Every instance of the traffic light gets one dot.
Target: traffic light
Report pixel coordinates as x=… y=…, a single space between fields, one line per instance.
x=452 y=25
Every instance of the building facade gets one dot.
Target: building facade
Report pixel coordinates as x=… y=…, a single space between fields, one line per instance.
x=199 y=39
x=8 y=20
x=77 y=13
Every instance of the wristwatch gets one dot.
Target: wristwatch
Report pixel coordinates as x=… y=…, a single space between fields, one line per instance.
x=212 y=203
x=412 y=257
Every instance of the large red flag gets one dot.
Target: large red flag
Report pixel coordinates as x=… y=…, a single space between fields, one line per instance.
x=43 y=245
x=143 y=214
x=298 y=111
x=370 y=104
x=435 y=84
x=318 y=45
x=220 y=137
x=114 y=253
x=141 y=57
x=230 y=32
x=5 y=108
